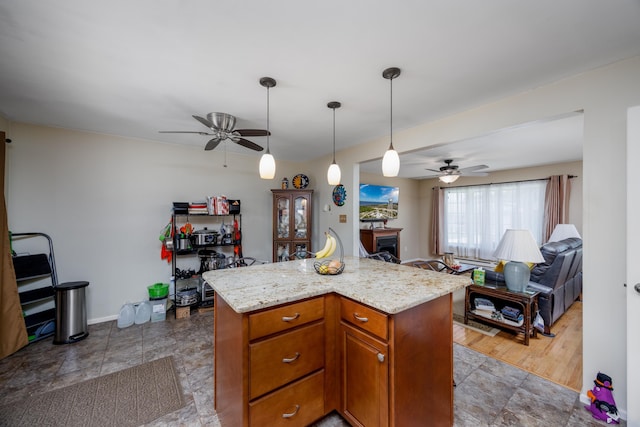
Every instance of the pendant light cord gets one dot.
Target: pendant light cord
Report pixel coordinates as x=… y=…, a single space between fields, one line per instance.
x=334 y=135
x=268 y=121
x=391 y=115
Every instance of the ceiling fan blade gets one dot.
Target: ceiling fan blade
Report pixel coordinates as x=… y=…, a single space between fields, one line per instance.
x=248 y=144
x=183 y=131
x=473 y=168
x=434 y=170
x=213 y=143
x=204 y=121
x=252 y=132
x=474 y=174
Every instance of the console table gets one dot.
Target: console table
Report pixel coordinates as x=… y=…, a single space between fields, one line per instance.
x=527 y=302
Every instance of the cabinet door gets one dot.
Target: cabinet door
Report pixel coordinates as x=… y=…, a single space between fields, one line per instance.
x=365 y=383
x=282 y=228
x=301 y=216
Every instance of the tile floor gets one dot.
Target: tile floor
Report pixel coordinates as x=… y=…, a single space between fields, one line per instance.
x=488 y=392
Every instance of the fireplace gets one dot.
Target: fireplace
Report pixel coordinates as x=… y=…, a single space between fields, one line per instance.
x=381 y=239
x=387 y=244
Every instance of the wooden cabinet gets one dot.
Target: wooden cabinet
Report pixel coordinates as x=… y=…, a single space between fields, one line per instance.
x=291 y=223
x=365 y=378
x=381 y=239
x=282 y=352
x=292 y=364
x=397 y=370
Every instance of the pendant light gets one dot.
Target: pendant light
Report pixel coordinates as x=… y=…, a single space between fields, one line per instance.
x=391 y=161
x=333 y=174
x=267 y=162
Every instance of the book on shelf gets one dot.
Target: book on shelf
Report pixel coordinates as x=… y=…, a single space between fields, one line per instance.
x=484 y=304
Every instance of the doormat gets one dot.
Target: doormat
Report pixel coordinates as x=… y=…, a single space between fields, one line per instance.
x=475 y=326
x=130 y=397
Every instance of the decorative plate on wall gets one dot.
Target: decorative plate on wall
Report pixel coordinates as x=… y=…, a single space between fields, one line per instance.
x=339 y=195
x=300 y=181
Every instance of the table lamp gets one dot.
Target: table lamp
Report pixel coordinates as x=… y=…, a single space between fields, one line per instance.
x=564 y=231
x=518 y=247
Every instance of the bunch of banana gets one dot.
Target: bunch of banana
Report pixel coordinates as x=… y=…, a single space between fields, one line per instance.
x=329 y=247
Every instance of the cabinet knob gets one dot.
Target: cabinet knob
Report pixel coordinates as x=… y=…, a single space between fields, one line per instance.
x=291 y=414
x=380 y=357
x=291 y=359
x=359 y=318
x=290 y=318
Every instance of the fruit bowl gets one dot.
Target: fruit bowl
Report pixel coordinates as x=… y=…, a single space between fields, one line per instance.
x=329 y=267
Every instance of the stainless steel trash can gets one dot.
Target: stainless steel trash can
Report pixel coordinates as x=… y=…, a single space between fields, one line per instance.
x=71 y=312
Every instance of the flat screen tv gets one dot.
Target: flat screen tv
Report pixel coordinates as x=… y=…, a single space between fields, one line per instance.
x=378 y=202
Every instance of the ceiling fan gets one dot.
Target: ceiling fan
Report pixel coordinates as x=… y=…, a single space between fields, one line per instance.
x=449 y=173
x=222 y=127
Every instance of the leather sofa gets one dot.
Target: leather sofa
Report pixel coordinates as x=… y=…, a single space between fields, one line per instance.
x=558 y=279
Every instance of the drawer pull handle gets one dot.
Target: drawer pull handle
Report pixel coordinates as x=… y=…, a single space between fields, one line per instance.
x=292 y=359
x=291 y=414
x=380 y=357
x=290 y=318
x=362 y=319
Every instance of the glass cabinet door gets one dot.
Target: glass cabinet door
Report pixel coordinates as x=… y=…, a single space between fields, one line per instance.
x=301 y=217
x=283 y=218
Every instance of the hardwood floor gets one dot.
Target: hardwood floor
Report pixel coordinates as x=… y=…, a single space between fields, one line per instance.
x=556 y=359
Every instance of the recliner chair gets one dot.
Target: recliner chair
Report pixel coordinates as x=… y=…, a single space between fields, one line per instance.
x=557 y=279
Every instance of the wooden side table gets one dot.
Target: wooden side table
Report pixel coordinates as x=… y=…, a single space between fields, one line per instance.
x=527 y=302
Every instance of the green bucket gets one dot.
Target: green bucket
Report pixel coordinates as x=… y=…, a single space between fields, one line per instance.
x=158 y=290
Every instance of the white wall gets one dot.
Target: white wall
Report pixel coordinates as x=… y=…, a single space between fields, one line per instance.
x=104 y=201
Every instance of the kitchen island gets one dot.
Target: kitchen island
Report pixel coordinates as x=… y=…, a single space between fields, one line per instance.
x=374 y=343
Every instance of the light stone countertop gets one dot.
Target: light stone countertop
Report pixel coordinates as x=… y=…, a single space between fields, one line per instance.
x=388 y=287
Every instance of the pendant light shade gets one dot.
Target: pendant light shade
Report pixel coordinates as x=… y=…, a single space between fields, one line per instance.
x=267 y=162
x=334 y=174
x=391 y=160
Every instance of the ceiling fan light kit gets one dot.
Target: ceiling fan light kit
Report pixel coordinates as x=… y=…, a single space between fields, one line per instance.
x=450 y=173
x=334 y=174
x=267 y=165
x=391 y=160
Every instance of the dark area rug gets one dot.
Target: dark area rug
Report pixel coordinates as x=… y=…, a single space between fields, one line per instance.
x=130 y=397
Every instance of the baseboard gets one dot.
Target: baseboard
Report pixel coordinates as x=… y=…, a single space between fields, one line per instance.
x=102 y=319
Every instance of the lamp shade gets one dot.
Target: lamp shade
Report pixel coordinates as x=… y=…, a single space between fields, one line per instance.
x=267 y=166
x=518 y=245
x=564 y=231
x=390 y=163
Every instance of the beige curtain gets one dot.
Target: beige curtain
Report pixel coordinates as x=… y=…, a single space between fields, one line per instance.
x=437 y=221
x=13 y=333
x=556 y=203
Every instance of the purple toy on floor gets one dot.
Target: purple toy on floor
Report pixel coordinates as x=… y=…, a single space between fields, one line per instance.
x=602 y=406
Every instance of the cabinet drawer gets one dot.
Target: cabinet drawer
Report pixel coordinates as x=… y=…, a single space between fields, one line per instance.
x=364 y=317
x=279 y=360
x=286 y=317
x=298 y=404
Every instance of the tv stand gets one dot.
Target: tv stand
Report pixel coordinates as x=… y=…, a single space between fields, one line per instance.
x=381 y=239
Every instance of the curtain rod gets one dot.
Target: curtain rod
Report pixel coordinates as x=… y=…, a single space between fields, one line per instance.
x=506 y=182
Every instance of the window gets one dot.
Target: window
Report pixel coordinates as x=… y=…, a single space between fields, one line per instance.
x=476 y=217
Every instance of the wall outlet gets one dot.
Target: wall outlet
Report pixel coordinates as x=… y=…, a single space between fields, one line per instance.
x=343 y=218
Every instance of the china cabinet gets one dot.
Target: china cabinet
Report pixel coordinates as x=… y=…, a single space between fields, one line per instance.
x=291 y=224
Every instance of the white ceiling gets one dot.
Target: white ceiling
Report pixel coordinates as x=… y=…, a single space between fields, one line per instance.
x=133 y=68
